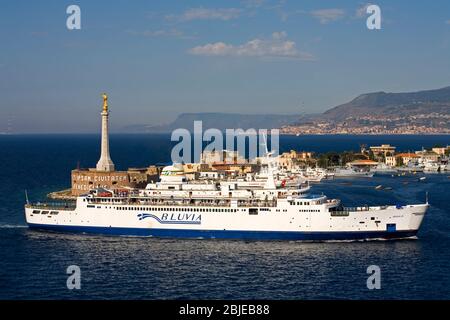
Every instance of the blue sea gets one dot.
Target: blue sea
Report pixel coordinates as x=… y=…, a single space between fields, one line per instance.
x=33 y=264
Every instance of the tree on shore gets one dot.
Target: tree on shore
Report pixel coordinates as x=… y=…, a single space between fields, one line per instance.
x=331 y=159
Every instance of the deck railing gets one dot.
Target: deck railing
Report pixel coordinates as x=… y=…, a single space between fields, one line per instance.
x=342 y=213
x=52 y=206
x=189 y=204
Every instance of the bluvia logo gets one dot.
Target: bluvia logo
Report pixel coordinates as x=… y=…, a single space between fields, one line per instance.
x=173 y=218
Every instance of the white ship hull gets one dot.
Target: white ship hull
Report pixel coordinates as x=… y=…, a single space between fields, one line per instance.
x=283 y=222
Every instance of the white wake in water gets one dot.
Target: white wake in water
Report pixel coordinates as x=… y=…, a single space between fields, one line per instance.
x=12 y=226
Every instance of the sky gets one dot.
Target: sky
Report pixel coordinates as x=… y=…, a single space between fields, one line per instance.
x=157 y=59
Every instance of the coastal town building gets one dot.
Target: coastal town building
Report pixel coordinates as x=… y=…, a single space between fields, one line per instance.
x=291 y=159
x=440 y=150
x=286 y=163
x=84 y=180
x=391 y=161
x=406 y=158
x=428 y=155
x=236 y=168
x=191 y=170
x=297 y=155
x=217 y=170
x=222 y=156
x=363 y=163
x=383 y=150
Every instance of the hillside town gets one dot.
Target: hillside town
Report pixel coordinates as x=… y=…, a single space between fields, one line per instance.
x=433 y=123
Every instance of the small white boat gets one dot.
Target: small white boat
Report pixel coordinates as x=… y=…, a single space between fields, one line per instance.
x=352 y=173
x=383 y=168
x=431 y=166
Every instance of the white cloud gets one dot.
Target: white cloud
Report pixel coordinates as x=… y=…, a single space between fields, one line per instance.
x=277 y=46
x=206 y=14
x=328 y=15
x=213 y=49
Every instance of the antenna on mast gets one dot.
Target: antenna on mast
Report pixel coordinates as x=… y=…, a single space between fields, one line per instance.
x=265 y=142
x=26 y=197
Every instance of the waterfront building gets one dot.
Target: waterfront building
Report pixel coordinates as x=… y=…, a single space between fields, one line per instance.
x=440 y=150
x=191 y=170
x=84 y=180
x=383 y=150
x=298 y=155
x=286 y=162
x=391 y=161
x=221 y=156
x=363 y=163
x=236 y=168
x=289 y=160
x=428 y=155
x=406 y=157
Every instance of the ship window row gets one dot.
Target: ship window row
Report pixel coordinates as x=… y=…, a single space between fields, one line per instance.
x=299 y=203
x=310 y=210
x=177 y=209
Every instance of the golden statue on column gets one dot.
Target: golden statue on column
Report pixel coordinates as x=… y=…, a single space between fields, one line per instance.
x=105 y=102
x=105 y=163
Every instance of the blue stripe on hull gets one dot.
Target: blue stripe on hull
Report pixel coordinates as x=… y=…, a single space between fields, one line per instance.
x=229 y=234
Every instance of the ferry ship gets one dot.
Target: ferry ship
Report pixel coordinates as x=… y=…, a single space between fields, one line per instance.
x=262 y=209
x=175 y=207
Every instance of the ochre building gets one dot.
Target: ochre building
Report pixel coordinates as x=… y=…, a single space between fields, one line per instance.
x=84 y=180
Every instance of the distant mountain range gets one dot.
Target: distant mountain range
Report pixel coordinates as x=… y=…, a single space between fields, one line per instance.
x=219 y=121
x=425 y=112
x=371 y=113
x=396 y=104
